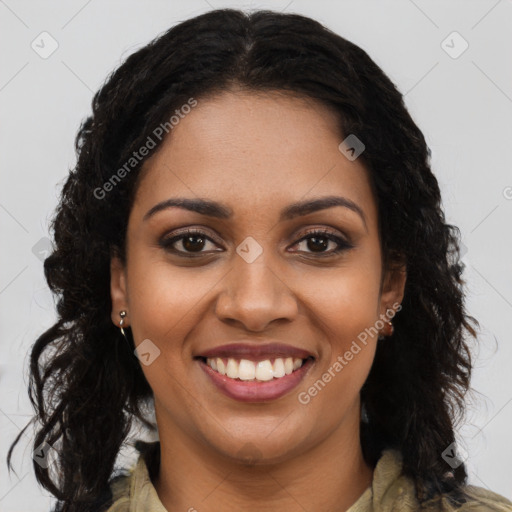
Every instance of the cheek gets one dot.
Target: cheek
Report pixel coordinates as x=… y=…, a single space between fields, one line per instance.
x=344 y=305
x=166 y=304
x=346 y=300
x=345 y=314
x=164 y=298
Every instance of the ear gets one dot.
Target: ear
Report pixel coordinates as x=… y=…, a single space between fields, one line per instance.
x=118 y=288
x=393 y=286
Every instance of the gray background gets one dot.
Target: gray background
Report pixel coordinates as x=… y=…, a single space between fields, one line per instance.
x=463 y=104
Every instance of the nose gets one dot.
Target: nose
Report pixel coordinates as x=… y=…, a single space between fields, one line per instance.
x=255 y=295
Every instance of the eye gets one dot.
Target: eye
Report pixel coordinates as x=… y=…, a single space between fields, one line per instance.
x=318 y=240
x=187 y=243
x=191 y=242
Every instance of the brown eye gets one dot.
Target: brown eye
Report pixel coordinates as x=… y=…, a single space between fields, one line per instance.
x=187 y=243
x=193 y=243
x=317 y=244
x=320 y=240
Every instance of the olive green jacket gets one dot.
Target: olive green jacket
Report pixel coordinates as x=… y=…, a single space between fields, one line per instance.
x=390 y=491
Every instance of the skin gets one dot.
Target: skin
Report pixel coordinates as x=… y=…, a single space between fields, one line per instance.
x=255 y=153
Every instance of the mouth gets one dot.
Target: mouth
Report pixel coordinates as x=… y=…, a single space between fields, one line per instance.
x=255 y=380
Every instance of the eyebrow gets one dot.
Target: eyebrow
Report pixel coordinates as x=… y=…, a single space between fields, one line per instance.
x=217 y=210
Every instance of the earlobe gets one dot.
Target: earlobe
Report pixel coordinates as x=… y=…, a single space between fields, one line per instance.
x=118 y=292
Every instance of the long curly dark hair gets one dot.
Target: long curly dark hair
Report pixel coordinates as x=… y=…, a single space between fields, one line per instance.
x=87 y=386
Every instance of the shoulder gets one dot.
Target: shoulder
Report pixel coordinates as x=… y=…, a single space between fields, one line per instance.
x=120 y=499
x=393 y=491
x=134 y=485
x=477 y=499
x=483 y=500
x=120 y=494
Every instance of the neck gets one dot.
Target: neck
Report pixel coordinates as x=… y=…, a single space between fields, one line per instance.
x=330 y=476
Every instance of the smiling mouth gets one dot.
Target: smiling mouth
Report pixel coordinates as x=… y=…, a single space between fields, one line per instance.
x=238 y=381
x=257 y=371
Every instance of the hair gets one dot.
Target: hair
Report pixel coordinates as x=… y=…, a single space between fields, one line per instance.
x=86 y=385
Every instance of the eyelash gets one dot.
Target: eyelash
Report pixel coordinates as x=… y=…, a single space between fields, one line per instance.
x=343 y=245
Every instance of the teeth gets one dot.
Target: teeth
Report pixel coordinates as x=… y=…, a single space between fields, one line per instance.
x=232 y=369
x=279 y=368
x=249 y=370
x=264 y=370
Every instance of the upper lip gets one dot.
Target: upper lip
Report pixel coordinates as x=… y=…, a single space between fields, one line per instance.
x=257 y=351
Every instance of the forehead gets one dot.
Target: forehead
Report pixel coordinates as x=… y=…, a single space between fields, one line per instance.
x=254 y=150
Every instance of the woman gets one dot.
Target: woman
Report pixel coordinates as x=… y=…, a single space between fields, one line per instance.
x=253 y=243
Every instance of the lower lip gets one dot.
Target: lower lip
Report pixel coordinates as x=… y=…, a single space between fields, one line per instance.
x=256 y=391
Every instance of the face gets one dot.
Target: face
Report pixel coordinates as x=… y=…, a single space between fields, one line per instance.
x=254 y=272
